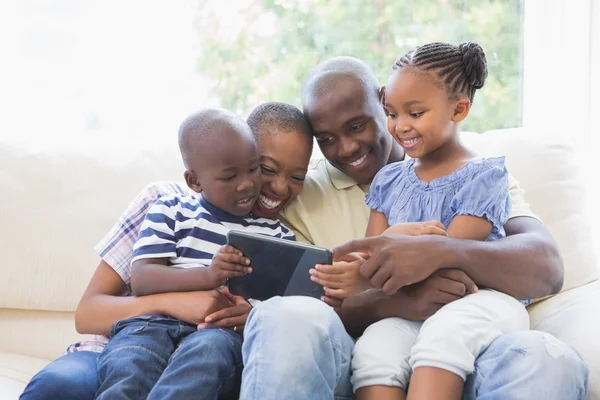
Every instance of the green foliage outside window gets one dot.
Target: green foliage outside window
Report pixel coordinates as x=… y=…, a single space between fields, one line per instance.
x=274 y=43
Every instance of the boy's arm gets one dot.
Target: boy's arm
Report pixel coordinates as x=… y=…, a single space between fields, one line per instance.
x=152 y=275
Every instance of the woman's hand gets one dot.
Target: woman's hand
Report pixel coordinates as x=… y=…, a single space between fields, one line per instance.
x=233 y=317
x=194 y=307
x=343 y=278
x=417 y=229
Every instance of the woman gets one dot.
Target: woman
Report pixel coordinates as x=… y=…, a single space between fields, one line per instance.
x=285 y=142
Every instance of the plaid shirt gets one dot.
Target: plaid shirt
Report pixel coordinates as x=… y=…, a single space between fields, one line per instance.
x=116 y=248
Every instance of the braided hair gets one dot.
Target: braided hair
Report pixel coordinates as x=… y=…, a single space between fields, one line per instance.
x=462 y=69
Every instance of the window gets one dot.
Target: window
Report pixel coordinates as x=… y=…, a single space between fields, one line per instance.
x=127 y=72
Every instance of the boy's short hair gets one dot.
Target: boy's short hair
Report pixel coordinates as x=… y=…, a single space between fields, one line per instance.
x=274 y=118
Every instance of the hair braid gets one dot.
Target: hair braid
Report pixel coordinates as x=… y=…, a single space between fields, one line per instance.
x=462 y=69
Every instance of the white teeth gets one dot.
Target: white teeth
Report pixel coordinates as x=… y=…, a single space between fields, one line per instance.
x=268 y=203
x=410 y=141
x=244 y=200
x=359 y=161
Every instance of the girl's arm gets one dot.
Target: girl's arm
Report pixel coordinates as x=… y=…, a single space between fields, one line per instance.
x=377 y=224
x=103 y=303
x=469 y=227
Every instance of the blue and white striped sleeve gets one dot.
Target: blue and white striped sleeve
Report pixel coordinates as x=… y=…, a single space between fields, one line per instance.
x=287 y=233
x=157 y=235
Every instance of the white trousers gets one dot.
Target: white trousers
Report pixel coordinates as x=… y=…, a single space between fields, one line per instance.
x=451 y=339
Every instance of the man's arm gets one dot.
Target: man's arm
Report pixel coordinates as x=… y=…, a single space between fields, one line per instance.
x=525 y=264
x=415 y=303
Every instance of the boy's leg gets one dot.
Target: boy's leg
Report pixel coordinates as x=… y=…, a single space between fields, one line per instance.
x=136 y=356
x=451 y=340
x=528 y=365
x=73 y=376
x=380 y=368
x=206 y=365
x=295 y=348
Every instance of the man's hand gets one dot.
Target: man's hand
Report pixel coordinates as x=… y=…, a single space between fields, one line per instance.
x=229 y=262
x=421 y=300
x=397 y=260
x=233 y=317
x=194 y=307
x=342 y=279
x=417 y=229
x=415 y=302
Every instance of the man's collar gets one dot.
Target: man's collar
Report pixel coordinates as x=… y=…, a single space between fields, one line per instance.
x=339 y=179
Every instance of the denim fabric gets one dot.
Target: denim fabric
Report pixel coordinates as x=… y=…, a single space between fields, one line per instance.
x=73 y=376
x=158 y=357
x=295 y=348
x=528 y=365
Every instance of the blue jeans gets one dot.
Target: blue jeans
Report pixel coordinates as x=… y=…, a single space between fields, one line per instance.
x=73 y=376
x=297 y=348
x=159 y=357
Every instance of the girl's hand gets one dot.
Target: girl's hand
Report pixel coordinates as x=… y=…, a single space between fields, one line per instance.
x=233 y=317
x=417 y=229
x=342 y=279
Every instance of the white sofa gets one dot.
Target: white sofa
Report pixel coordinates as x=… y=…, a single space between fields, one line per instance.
x=56 y=205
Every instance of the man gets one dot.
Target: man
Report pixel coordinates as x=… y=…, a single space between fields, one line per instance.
x=297 y=348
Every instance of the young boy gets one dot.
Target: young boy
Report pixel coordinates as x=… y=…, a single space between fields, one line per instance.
x=181 y=247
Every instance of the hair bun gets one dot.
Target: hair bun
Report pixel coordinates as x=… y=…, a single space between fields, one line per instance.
x=474 y=63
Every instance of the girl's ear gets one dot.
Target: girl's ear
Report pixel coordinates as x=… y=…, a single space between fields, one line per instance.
x=192 y=181
x=461 y=110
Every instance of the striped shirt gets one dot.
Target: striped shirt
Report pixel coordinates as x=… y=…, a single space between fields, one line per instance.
x=189 y=231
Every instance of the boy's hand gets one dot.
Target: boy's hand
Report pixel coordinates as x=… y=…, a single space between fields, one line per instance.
x=417 y=229
x=233 y=317
x=343 y=278
x=229 y=262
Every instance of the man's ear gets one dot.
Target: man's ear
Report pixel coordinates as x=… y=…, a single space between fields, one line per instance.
x=382 y=98
x=192 y=181
x=461 y=110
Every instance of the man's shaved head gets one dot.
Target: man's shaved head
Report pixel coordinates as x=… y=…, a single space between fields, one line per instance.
x=203 y=130
x=340 y=99
x=328 y=74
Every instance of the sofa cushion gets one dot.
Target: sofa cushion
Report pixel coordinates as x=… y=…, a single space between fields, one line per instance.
x=572 y=316
x=10 y=389
x=549 y=171
x=55 y=206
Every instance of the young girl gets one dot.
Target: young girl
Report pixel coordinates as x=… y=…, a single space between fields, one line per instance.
x=443 y=188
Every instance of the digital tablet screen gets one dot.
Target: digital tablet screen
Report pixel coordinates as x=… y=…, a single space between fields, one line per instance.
x=279 y=267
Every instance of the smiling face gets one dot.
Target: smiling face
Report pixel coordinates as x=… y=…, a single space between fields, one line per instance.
x=226 y=171
x=422 y=117
x=349 y=125
x=284 y=158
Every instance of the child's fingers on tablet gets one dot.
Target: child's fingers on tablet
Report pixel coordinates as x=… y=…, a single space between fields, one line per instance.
x=228 y=249
x=325 y=280
x=228 y=273
x=235 y=259
x=337 y=268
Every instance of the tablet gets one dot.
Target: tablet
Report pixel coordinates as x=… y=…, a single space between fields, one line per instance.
x=279 y=267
